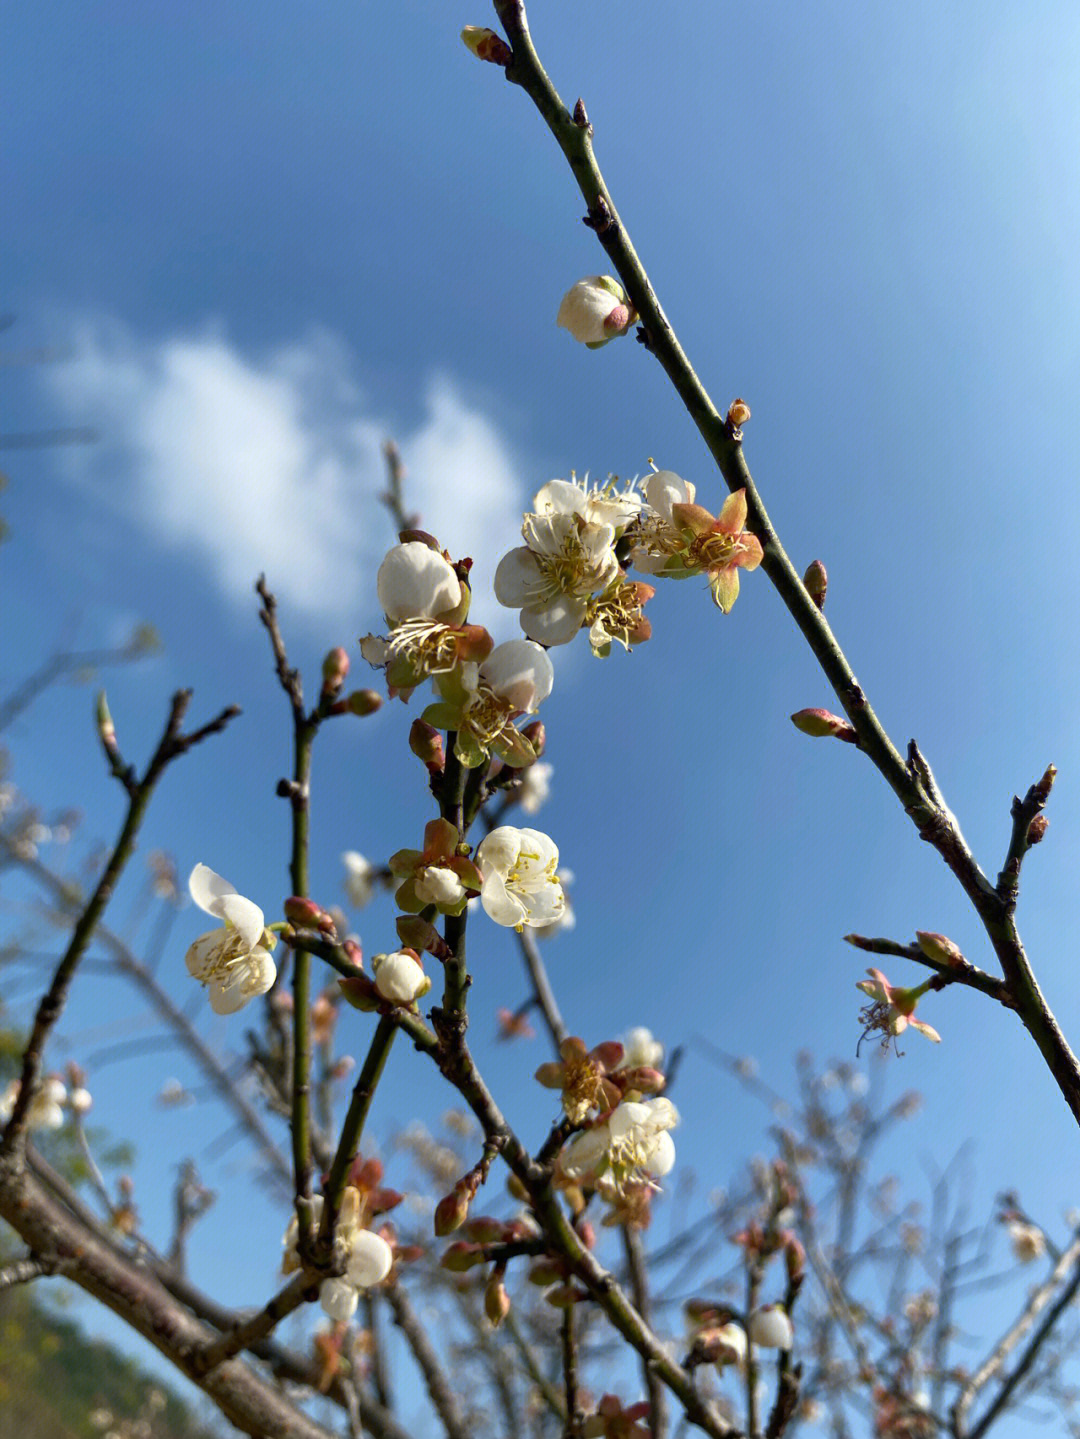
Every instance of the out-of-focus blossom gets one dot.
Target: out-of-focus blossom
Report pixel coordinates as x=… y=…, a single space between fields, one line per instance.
x=361 y=877
x=641 y=1050
x=520 y=884
x=535 y=786
x=1027 y=1240
x=46 y=1109
x=233 y=962
x=771 y=1328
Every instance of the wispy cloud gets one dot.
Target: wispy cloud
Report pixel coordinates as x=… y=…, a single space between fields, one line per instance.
x=274 y=463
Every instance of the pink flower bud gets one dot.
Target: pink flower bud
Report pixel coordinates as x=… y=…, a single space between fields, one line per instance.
x=819 y=723
x=335 y=668
x=426 y=743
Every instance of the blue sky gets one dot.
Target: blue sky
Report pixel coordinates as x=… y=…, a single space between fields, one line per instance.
x=270 y=242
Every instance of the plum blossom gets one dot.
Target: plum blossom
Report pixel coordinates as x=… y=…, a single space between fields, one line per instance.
x=479 y=703
x=368 y=1257
x=520 y=882
x=567 y=558
x=233 y=962
x=677 y=538
x=535 y=786
x=425 y=605
x=595 y=310
x=630 y=1147
x=892 y=1009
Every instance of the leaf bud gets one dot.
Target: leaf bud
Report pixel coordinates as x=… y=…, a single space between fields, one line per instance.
x=816 y=581
x=1037 y=829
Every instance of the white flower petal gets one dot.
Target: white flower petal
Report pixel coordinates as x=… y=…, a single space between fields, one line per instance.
x=664 y=489
x=518 y=580
x=556 y=623
x=245 y=916
x=338 y=1299
x=560 y=497
x=521 y=672
x=415 y=581
x=500 y=905
x=208 y=889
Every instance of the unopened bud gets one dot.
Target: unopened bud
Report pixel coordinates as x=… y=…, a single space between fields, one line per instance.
x=486 y=45
x=817 y=582
x=496 y=1299
x=737 y=415
x=461 y=1256
x=363 y=703
x=305 y=913
x=1037 y=828
x=104 y=720
x=335 y=667
x=536 y=734
x=1046 y=784
x=426 y=743
x=820 y=723
x=794 y=1259
x=939 y=947
x=451 y=1212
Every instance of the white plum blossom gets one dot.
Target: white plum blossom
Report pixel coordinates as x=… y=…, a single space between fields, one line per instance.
x=656 y=537
x=360 y=878
x=567 y=558
x=632 y=1146
x=368 y=1257
x=233 y=962
x=46 y=1109
x=771 y=1328
x=729 y=1342
x=399 y=977
x=566 y=918
x=520 y=873
x=479 y=702
x=416 y=582
x=595 y=310
x=641 y=1050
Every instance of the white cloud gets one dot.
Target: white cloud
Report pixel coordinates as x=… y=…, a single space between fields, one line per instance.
x=274 y=464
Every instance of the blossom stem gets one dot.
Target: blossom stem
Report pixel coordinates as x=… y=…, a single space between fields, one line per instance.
x=353 y=1125
x=452 y=807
